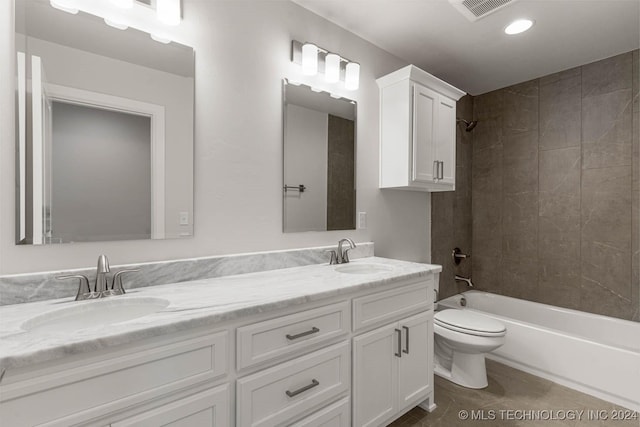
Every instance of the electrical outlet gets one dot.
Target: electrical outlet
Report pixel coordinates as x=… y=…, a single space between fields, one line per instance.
x=362 y=220
x=184 y=218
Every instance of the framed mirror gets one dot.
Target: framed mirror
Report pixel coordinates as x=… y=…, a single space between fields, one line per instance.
x=104 y=130
x=319 y=188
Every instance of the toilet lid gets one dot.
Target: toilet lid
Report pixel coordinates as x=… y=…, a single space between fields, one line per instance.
x=466 y=321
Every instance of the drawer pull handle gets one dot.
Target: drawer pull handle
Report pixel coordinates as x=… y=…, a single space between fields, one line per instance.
x=406 y=348
x=314 y=383
x=313 y=330
x=399 y=352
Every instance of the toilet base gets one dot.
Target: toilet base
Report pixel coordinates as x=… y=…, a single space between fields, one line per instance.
x=467 y=370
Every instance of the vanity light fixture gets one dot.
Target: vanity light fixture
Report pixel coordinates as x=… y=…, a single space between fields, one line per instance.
x=309 y=59
x=123 y=14
x=332 y=68
x=352 y=76
x=518 y=26
x=314 y=60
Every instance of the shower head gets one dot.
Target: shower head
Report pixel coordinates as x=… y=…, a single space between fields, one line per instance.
x=468 y=125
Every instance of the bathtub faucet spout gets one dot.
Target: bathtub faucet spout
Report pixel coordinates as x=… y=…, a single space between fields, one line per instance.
x=464 y=279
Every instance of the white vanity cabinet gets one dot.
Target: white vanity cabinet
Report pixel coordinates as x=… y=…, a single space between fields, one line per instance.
x=171 y=374
x=206 y=408
x=393 y=364
x=417 y=131
x=360 y=357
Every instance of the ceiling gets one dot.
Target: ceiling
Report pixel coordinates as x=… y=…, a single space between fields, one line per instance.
x=478 y=57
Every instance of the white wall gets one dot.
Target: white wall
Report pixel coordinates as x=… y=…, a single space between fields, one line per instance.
x=242 y=54
x=306 y=162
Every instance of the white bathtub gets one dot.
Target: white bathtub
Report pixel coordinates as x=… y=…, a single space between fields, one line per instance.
x=594 y=354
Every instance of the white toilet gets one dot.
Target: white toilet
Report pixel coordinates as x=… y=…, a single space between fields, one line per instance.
x=461 y=340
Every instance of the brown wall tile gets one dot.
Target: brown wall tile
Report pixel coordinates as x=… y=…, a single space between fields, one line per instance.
x=555 y=189
x=560 y=110
x=607 y=129
x=608 y=75
x=635 y=201
x=520 y=113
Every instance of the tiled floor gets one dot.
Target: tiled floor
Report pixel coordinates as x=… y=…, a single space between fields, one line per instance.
x=514 y=398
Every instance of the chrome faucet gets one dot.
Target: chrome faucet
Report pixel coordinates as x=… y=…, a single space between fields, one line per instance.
x=116 y=286
x=343 y=255
x=101 y=274
x=464 y=279
x=101 y=287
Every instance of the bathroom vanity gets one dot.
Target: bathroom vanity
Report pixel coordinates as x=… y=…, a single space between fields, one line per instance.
x=317 y=345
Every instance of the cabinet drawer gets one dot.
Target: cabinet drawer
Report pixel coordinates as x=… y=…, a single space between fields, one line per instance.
x=335 y=415
x=268 y=340
x=286 y=391
x=207 y=408
x=391 y=305
x=138 y=374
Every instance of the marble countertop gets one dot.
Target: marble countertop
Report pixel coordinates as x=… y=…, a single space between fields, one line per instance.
x=193 y=304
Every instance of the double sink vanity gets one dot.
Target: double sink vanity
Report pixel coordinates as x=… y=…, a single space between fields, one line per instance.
x=330 y=345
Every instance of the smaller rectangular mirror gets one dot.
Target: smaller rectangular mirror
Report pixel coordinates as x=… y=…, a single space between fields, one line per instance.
x=319 y=190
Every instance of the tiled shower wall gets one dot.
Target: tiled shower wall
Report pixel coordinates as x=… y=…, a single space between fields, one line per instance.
x=555 y=166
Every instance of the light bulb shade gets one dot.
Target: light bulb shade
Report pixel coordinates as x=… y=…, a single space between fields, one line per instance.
x=124 y=4
x=168 y=11
x=160 y=39
x=68 y=6
x=332 y=68
x=352 y=76
x=114 y=24
x=309 y=59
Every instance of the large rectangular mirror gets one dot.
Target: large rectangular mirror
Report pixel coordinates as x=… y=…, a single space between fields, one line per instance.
x=319 y=160
x=104 y=130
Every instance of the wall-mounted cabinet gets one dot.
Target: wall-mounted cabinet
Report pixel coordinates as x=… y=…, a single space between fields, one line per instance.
x=417 y=131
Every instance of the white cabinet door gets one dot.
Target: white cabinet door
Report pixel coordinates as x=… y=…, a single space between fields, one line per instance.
x=207 y=408
x=445 y=142
x=375 y=372
x=392 y=369
x=425 y=120
x=415 y=372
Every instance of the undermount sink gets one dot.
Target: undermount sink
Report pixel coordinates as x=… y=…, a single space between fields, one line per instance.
x=363 y=268
x=94 y=314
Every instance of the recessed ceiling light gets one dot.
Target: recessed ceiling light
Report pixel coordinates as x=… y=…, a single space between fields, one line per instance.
x=518 y=26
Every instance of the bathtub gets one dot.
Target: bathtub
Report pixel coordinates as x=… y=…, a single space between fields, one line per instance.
x=597 y=355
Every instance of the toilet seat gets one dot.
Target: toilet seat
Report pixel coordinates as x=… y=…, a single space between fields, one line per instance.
x=466 y=322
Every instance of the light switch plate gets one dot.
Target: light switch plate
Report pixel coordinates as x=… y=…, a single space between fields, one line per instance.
x=184 y=218
x=362 y=220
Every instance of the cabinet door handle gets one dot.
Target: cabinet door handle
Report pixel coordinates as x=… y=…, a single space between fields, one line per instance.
x=399 y=352
x=435 y=170
x=314 y=383
x=313 y=330
x=441 y=170
x=406 y=347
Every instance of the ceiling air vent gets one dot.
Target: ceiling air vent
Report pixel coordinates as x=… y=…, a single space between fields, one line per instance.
x=476 y=9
